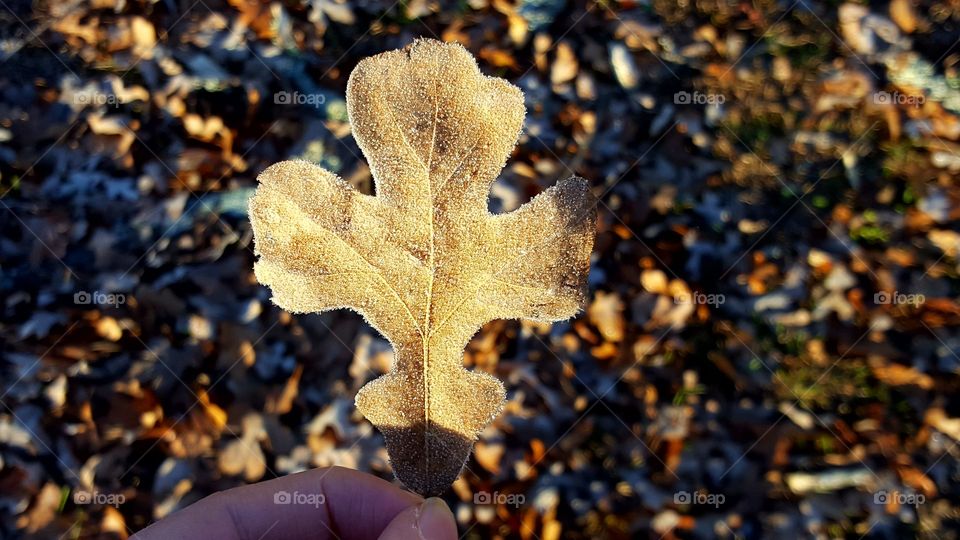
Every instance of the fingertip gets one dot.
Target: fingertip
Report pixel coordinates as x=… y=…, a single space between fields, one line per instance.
x=431 y=520
x=436 y=520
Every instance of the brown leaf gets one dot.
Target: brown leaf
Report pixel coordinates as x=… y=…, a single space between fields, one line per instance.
x=212 y=411
x=903 y=13
x=424 y=261
x=498 y=58
x=109 y=328
x=899 y=375
x=565 y=65
x=488 y=455
x=606 y=313
x=242 y=456
x=113 y=523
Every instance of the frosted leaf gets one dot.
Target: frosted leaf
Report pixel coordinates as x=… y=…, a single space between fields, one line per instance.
x=424 y=261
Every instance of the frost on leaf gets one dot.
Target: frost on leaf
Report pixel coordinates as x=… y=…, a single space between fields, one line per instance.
x=424 y=261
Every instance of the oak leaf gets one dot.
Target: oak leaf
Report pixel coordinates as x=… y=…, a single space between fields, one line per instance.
x=424 y=261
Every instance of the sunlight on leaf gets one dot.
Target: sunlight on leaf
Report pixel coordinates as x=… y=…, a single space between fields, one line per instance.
x=424 y=261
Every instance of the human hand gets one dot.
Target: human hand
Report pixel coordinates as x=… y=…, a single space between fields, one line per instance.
x=337 y=503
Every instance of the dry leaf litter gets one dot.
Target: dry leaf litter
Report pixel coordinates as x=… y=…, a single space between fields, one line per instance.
x=770 y=342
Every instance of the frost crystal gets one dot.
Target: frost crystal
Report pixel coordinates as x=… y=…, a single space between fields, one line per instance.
x=424 y=261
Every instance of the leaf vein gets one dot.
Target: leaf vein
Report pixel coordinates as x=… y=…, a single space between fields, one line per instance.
x=374 y=269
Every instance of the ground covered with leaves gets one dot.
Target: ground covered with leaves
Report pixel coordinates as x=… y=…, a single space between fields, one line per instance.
x=770 y=347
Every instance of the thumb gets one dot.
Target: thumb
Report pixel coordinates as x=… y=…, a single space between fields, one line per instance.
x=431 y=520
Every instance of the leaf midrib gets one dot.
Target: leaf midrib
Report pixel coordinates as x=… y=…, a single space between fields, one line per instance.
x=428 y=331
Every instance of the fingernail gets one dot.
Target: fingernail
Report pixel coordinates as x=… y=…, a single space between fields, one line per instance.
x=436 y=520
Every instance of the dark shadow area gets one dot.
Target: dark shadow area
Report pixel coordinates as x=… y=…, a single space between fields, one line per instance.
x=430 y=476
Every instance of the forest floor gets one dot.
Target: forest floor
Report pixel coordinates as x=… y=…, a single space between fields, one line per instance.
x=770 y=347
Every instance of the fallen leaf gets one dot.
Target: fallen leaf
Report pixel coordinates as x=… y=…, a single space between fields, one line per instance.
x=242 y=456
x=606 y=313
x=108 y=328
x=899 y=375
x=424 y=261
x=565 y=65
x=655 y=281
x=903 y=13
x=488 y=455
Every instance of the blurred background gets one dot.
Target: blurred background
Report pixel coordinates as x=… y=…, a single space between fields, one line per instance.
x=770 y=346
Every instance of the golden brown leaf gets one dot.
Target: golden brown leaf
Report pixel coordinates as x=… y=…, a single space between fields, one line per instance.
x=424 y=261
